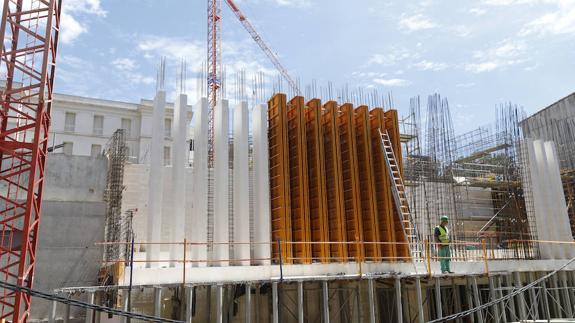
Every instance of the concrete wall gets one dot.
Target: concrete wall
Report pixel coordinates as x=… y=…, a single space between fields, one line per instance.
x=73 y=218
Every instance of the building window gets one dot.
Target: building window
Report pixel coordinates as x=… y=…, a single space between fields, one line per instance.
x=167 y=159
x=96 y=150
x=70 y=122
x=68 y=148
x=98 y=125
x=168 y=128
x=127 y=126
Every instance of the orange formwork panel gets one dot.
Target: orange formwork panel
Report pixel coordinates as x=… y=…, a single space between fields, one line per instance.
x=316 y=181
x=334 y=191
x=367 y=184
x=382 y=189
x=298 y=183
x=350 y=178
x=279 y=177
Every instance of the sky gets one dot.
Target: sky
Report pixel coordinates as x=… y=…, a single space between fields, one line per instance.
x=477 y=54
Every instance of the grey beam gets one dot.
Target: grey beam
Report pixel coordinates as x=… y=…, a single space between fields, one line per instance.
x=52 y=317
x=533 y=296
x=438 y=305
x=275 y=305
x=158 y=301
x=371 y=295
x=521 y=297
x=477 y=298
x=219 y=303
x=420 y=317
x=189 y=303
x=398 y=300
x=325 y=294
x=300 y=316
x=494 y=307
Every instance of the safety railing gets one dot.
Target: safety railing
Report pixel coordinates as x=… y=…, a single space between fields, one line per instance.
x=460 y=251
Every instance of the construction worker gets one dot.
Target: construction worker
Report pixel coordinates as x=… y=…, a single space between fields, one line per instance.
x=442 y=238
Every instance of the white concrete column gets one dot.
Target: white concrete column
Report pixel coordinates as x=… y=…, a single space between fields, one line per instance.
x=221 y=252
x=180 y=150
x=241 y=185
x=262 y=231
x=156 y=182
x=199 y=220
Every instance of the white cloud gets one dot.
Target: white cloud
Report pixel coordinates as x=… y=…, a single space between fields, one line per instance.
x=506 y=53
x=173 y=48
x=294 y=3
x=430 y=66
x=416 y=22
x=124 y=64
x=72 y=27
x=392 y=56
x=392 y=82
x=561 y=21
x=478 y=11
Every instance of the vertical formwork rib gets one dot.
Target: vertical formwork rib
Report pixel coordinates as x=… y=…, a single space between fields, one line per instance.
x=299 y=205
x=333 y=178
x=382 y=189
x=316 y=180
x=392 y=127
x=279 y=177
x=367 y=184
x=351 y=197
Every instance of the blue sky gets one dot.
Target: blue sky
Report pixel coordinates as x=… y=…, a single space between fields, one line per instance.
x=476 y=53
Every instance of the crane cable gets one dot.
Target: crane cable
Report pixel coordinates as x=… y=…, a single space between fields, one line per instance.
x=73 y=302
x=496 y=301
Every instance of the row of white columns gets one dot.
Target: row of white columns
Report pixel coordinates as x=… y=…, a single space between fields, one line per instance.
x=220 y=207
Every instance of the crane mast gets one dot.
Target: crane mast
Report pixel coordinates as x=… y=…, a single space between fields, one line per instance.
x=29 y=36
x=214 y=61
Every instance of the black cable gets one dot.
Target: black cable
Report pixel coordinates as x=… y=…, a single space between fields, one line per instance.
x=77 y=303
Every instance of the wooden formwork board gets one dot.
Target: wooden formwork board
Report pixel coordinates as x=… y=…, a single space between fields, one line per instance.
x=298 y=183
x=350 y=180
x=279 y=177
x=316 y=180
x=382 y=186
x=367 y=184
x=334 y=192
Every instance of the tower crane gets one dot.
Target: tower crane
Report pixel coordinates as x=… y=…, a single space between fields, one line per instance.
x=214 y=59
x=29 y=36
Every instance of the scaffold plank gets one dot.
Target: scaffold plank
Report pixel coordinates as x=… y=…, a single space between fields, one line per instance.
x=299 y=203
x=367 y=184
x=279 y=177
x=333 y=178
x=316 y=181
x=349 y=173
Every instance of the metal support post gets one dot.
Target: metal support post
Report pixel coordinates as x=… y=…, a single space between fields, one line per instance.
x=248 y=303
x=371 y=295
x=571 y=283
x=90 y=313
x=420 y=317
x=499 y=294
x=220 y=303
x=533 y=296
x=125 y=305
x=438 y=305
x=521 y=297
x=556 y=297
x=545 y=301
x=66 y=317
x=275 y=304
x=493 y=296
x=469 y=293
x=157 y=301
x=566 y=297
x=477 y=298
x=456 y=297
x=509 y=284
x=189 y=303
x=300 y=317
x=325 y=293
x=52 y=317
x=399 y=308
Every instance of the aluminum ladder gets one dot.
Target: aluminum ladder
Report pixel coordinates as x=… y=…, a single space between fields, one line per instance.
x=400 y=198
